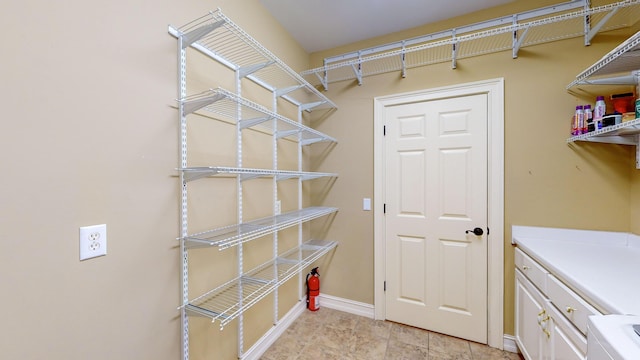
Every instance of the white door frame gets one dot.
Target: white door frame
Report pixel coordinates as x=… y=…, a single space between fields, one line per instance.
x=494 y=88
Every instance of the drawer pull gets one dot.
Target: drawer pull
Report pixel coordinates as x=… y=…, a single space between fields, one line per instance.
x=570 y=310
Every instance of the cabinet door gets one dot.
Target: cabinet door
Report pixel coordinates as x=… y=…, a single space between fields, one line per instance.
x=532 y=340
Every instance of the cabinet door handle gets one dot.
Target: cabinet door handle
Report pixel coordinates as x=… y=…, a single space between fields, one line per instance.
x=570 y=309
x=542 y=317
x=543 y=325
x=547 y=333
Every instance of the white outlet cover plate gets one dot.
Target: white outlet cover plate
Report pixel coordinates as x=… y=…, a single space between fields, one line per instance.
x=93 y=241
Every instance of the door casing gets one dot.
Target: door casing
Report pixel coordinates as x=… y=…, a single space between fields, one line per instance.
x=494 y=88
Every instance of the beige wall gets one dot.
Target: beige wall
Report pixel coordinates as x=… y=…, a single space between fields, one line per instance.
x=547 y=182
x=90 y=136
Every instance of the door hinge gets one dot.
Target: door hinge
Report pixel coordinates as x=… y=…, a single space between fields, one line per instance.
x=385 y=286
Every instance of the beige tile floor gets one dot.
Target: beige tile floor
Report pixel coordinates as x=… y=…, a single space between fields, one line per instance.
x=330 y=334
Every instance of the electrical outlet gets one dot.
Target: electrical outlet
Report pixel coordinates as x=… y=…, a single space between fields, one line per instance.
x=93 y=241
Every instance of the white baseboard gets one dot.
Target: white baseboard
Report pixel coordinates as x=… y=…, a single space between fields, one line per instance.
x=259 y=348
x=510 y=344
x=346 y=305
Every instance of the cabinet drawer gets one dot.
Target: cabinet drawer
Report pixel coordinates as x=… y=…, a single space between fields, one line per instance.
x=570 y=304
x=531 y=269
x=569 y=342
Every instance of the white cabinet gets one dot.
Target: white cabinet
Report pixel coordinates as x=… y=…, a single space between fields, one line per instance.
x=230 y=55
x=567 y=342
x=532 y=333
x=542 y=329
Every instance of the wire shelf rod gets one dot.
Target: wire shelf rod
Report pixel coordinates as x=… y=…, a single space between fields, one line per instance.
x=194 y=173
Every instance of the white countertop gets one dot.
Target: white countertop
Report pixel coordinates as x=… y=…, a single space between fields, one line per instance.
x=615 y=334
x=603 y=267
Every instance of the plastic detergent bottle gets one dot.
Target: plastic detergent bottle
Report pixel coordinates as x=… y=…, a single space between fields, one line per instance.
x=598 y=112
x=578 y=120
x=588 y=118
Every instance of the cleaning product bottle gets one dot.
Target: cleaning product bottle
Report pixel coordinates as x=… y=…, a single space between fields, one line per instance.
x=598 y=112
x=588 y=119
x=578 y=120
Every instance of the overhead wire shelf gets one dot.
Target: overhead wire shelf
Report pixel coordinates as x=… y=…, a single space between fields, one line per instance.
x=198 y=172
x=625 y=58
x=216 y=36
x=229 y=300
x=508 y=33
x=233 y=235
x=225 y=104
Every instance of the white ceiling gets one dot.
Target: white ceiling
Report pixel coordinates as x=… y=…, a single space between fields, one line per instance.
x=323 y=24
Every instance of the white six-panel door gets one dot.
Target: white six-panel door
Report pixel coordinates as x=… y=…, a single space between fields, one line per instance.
x=435 y=176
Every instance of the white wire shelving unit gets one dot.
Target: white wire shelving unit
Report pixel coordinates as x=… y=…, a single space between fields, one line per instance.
x=216 y=37
x=621 y=66
x=563 y=21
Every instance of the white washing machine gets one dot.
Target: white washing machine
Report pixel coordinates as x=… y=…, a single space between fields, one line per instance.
x=612 y=337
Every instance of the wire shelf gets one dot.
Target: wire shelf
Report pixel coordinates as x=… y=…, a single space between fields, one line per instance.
x=231 y=299
x=216 y=36
x=233 y=235
x=224 y=104
x=194 y=173
x=489 y=37
x=624 y=58
x=623 y=133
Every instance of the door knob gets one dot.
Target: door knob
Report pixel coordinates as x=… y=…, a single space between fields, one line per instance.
x=477 y=231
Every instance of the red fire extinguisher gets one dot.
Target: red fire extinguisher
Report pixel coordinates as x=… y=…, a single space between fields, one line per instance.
x=313 y=290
